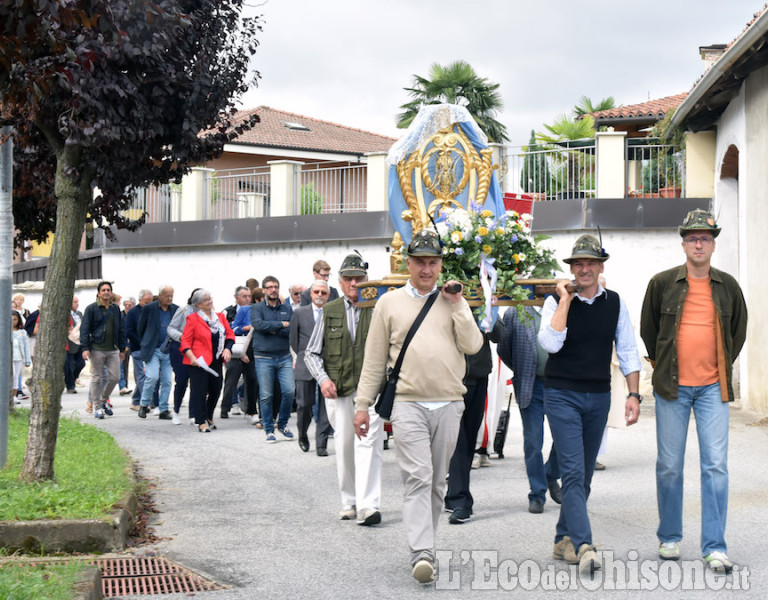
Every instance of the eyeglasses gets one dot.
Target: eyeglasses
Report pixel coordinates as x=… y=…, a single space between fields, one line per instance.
x=295 y=293
x=324 y=275
x=705 y=240
x=319 y=293
x=271 y=287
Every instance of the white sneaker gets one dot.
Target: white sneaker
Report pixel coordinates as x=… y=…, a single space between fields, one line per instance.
x=476 y=461
x=191 y=421
x=669 y=550
x=176 y=419
x=485 y=460
x=156 y=411
x=235 y=410
x=718 y=562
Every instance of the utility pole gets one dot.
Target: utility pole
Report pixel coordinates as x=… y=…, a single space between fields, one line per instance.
x=6 y=283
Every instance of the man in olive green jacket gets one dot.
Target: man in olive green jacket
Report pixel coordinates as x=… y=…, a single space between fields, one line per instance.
x=694 y=324
x=334 y=357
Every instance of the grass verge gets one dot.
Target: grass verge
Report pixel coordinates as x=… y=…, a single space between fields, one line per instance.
x=91 y=474
x=33 y=582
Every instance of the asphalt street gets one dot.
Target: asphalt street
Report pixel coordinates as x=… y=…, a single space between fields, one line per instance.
x=261 y=519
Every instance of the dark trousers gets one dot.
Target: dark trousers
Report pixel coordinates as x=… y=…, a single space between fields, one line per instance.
x=323 y=427
x=306 y=393
x=305 y=401
x=204 y=390
x=458 y=495
x=539 y=472
x=73 y=364
x=126 y=365
x=236 y=368
x=181 y=376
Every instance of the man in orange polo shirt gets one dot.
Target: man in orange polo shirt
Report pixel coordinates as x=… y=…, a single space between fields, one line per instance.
x=693 y=323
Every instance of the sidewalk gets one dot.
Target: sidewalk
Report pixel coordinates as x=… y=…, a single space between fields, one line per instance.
x=262 y=518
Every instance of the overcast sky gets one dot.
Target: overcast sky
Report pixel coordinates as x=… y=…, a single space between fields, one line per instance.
x=347 y=61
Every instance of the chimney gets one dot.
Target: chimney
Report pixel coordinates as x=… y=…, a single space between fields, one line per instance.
x=710 y=54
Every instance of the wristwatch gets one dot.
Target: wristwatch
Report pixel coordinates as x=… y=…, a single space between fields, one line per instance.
x=635 y=395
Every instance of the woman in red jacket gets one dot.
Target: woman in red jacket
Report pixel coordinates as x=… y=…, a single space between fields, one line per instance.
x=206 y=342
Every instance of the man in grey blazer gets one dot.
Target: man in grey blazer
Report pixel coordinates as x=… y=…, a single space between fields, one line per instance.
x=302 y=325
x=521 y=352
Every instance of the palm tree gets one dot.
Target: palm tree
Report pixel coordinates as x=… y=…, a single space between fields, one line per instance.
x=586 y=107
x=562 y=132
x=457 y=83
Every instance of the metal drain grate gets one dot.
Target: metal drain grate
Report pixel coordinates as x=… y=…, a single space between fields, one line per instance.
x=148 y=576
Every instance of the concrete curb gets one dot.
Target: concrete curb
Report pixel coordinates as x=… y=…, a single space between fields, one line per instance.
x=88 y=585
x=49 y=536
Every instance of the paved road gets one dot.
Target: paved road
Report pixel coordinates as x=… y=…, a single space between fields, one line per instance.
x=262 y=518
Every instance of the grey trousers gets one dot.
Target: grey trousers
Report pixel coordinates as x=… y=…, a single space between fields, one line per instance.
x=424 y=444
x=100 y=389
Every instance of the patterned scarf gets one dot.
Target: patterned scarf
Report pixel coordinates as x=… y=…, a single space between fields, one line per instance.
x=216 y=327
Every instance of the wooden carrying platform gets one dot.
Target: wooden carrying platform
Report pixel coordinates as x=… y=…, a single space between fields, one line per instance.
x=539 y=289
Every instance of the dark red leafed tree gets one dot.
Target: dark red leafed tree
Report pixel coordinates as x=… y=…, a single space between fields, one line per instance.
x=106 y=96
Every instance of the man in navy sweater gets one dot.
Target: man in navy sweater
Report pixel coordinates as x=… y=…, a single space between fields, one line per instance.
x=579 y=330
x=271 y=322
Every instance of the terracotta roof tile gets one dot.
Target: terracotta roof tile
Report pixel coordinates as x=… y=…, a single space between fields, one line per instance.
x=288 y=130
x=653 y=109
x=755 y=17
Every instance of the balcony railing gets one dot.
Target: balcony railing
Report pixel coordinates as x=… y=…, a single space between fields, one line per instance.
x=237 y=193
x=543 y=172
x=552 y=172
x=653 y=170
x=161 y=203
x=336 y=189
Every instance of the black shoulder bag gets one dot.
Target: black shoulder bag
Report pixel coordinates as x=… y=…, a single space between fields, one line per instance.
x=386 y=399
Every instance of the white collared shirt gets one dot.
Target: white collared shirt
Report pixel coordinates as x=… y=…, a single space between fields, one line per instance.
x=626 y=345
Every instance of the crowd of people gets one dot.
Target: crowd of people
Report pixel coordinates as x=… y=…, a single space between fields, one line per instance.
x=320 y=353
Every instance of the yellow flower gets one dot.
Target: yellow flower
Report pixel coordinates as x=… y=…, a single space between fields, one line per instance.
x=482 y=230
x=500 y=231
x=486 y=213
x=456 y=237
x=516 y=258
x=487 y=249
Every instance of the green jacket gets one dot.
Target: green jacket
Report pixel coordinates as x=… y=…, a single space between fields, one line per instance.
x=660 y=319
x=343 y=360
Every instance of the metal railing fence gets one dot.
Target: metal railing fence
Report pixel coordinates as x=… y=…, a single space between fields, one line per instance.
x=161 y=203
x=653 y=170
x=336 y=189
x=237 y=193
x=552 y=172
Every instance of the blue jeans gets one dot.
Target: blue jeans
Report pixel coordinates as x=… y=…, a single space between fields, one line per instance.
x=157 y=369
x=267 y=368
x=712 y=416
x=539 y=472
x=577 y=420
x=122 y=383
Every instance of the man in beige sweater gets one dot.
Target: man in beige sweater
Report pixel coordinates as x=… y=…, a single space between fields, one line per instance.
x=429 y=397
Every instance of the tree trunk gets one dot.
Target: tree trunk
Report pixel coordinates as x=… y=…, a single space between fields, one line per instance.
x=73 y=195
